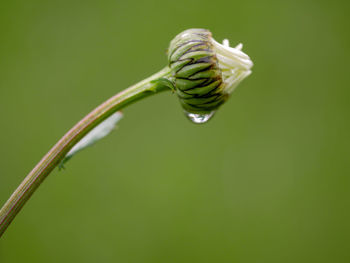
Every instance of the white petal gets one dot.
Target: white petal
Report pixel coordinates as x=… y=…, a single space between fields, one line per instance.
x=235 y=65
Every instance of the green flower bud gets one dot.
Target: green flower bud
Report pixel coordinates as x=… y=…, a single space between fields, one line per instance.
x=204 y=72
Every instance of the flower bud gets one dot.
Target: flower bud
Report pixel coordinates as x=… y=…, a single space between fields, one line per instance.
x=205 y=72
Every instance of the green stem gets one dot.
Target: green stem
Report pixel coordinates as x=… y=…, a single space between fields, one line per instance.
x=24 y=191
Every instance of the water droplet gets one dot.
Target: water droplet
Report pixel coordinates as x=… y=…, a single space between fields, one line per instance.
x=199 y=117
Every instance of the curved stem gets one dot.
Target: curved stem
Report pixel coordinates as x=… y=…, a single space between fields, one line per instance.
x=24 y=191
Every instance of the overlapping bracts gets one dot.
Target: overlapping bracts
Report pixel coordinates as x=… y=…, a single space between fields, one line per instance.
x=196 y=75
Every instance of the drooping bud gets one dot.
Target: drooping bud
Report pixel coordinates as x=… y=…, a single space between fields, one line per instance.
x=204 y=72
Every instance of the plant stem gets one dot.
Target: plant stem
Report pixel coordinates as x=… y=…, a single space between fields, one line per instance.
x=24 y=191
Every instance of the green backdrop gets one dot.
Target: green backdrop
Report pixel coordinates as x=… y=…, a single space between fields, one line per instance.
x=266 y=180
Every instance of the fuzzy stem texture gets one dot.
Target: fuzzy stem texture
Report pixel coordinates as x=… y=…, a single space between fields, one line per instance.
x=24 y=191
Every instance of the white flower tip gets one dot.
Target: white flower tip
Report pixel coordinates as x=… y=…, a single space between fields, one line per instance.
x=233 y=62
x=226 y=42
x=239 y=46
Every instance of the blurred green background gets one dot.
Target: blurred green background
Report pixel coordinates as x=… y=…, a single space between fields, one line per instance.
x=266 y=180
